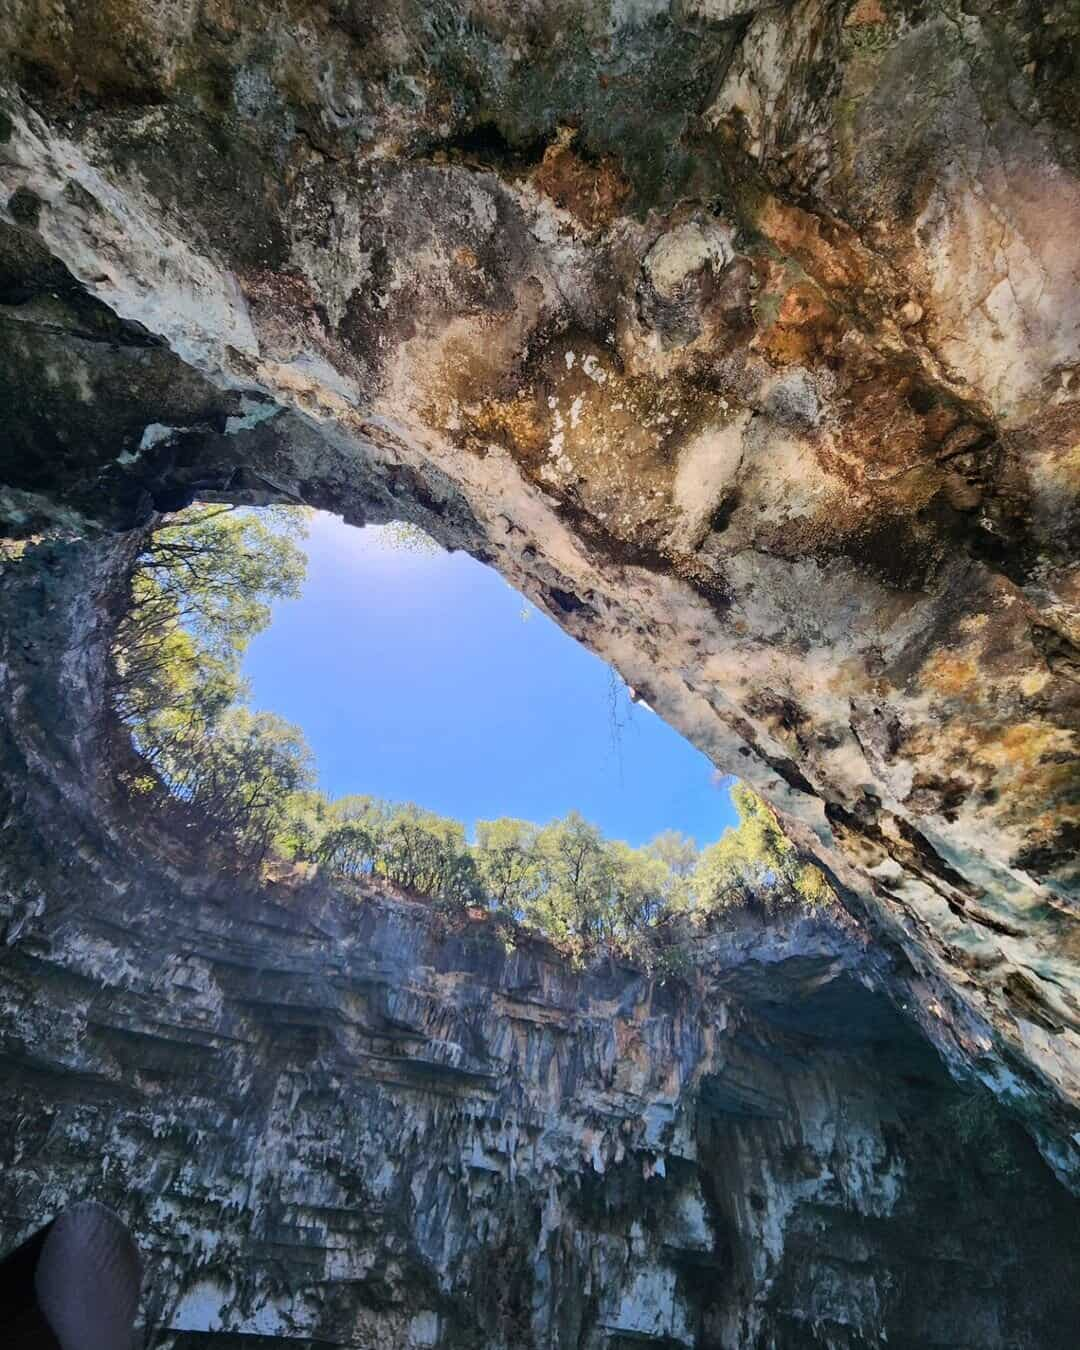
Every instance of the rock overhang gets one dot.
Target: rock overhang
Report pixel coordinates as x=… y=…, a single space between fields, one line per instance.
x=771 y=402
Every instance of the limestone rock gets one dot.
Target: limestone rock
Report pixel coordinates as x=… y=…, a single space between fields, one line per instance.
x=614 y=295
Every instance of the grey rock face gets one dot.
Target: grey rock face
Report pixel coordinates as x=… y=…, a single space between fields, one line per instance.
x=742 y=338
x=339 y=1119
x=343 y=1128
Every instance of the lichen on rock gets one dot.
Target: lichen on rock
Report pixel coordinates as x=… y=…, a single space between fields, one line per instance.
x=743 y=340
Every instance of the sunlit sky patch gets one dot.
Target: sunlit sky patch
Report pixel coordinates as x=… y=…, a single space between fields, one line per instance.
x=422 y=676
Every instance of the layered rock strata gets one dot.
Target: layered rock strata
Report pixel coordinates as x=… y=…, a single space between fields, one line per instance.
x=741 y=337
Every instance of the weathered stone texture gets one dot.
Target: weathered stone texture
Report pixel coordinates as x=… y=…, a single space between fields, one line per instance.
x=742 y=337
x=327 y=1123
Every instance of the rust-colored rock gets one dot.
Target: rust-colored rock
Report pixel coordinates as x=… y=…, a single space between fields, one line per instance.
x=621 y=297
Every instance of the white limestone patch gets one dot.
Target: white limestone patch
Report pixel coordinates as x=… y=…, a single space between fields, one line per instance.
x=651 y=1307
x=686 y=250
x=636 y=13
x=594 y=370
x=424 y=1329
x=708 y=468
x=718 y=11
x=153 y=434
x=658 y=1117
x=252 y=413
x=99 y=959
x=112 y=240
x=200 y=1308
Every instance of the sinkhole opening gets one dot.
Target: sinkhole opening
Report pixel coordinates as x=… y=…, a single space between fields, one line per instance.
x=363 y=705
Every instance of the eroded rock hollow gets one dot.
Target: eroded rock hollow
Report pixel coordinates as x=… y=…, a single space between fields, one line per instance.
x=743 y=339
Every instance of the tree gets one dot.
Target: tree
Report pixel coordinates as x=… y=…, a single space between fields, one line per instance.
x=307 y=818
x=676 y=850
x=508 y=863
x=197 y=595
x=241 y=777
x=680 y=855
x=755 y=859
x=222 y=566
x=428 y=853
x=348 y=849
x=641 y=886
x=354 y=837
x=575 y=898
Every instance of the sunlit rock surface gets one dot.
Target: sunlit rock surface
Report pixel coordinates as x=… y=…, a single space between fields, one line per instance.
x=742 y=338
x=345 y=1120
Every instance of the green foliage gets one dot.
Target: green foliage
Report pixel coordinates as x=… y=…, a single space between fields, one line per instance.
x=640 y=886
x=755 y=860
x=508 y=863
x=677 y=850
x=563 y=879
x=198 y=594
x=666 y=953
x=428 y=853
x=304 y=824
x=579 y=888
x=407 y=845
x=574 y=901
x=242 y=773
x=347 y=849
x=213 y=571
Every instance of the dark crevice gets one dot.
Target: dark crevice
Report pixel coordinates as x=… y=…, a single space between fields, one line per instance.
x=485 y=146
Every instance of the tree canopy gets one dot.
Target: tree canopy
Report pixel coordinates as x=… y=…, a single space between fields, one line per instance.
x=198 y=593
x=564 y=879
x=757 y=859
x=204 y=587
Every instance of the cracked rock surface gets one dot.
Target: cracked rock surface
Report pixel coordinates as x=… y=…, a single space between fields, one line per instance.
x=740 y=337
x=338 y=1119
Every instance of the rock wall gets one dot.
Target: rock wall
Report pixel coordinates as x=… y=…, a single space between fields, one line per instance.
x=330 y=1123
x=339 y=1118
x=741 y=337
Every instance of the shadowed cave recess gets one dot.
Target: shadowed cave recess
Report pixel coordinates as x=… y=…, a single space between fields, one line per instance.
x=741 y=338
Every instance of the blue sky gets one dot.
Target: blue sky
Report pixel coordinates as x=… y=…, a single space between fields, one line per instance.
x=415 y=678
